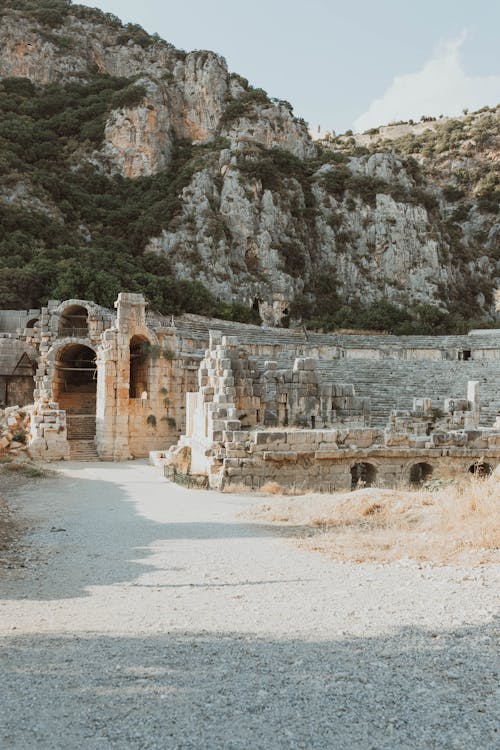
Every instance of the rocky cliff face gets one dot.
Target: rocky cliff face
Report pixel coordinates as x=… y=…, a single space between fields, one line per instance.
x=384 y=237
x=265 y=213
x=186 y=94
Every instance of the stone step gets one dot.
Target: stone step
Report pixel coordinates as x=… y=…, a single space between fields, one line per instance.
x=392 y=384
x=83 y=450
x=77 y=407
x=81 y=426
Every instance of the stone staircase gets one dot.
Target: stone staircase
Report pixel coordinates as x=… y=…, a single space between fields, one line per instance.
x=83 y=450
x=77 y=402
x=81 y=437
x=80 y=426
x=392 y=384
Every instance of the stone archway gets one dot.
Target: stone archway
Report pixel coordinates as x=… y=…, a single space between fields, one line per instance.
x=363 y=475
x=75 y=378
x=481 y=469
x=420 y=473
x=74 y=388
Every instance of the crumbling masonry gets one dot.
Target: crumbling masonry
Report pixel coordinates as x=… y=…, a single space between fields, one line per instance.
x=223 y=404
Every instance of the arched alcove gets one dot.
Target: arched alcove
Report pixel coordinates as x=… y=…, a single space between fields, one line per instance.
x=139 y=367
x=420 y=473
x=363 y=475
x=481 y=469
x=75 y=379
x=73 y=321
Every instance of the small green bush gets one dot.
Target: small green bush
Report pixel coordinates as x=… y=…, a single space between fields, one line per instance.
x=452 y=193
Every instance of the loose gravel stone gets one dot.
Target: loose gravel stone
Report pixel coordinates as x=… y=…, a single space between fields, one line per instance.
x=156 y=618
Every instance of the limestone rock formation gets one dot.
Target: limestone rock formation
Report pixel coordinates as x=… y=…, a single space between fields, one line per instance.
x=262 y=215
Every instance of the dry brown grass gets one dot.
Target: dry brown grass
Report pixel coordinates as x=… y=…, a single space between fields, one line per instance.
x=272 y=488
x=458 y=523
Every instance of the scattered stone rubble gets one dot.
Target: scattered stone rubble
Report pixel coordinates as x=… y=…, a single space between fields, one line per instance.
x=247 y=427
x=14 y=429
x=243 y=405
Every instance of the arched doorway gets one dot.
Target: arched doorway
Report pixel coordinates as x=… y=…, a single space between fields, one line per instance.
x=139 y=367
x=481 y=469
x=74 y=388
x=363 y=475
x=420 y=473
x=75 y=379
x=74 y=322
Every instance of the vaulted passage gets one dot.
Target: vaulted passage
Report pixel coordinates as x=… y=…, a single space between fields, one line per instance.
x=481 y=469
x=420 y=473
x=75 y=379
x=75 y=386
x=363 y=475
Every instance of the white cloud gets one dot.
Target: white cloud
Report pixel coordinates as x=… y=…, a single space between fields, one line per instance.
x=441 y=86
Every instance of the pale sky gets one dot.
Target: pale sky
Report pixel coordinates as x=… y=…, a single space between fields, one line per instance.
x=343 y=64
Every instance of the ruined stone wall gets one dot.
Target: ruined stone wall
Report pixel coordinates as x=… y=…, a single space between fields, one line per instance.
x=324 y=461
x=261 y=378
x=225 y=440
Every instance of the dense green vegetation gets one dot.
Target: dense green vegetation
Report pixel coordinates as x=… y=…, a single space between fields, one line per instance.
x=53 y=14
x=477 y=131
x=90 y=243
x=69 y=230
x=322 y=309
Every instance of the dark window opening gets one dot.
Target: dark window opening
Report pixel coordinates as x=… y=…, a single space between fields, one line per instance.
x=75 y=379
x=139 y=367
x=480 y=469
x=363 y=475
x=420 y=473
x=74 y=322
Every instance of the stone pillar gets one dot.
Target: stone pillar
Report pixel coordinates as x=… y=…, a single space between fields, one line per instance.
x=130 y=311
x=113 y=378
x=474 y=401
x=111 y=429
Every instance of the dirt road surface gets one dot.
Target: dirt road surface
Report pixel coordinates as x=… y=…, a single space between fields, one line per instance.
x=151 y=616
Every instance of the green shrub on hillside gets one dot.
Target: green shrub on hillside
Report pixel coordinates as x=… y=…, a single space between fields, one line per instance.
x=47 y=254
x=48 y=12
x=244 y=106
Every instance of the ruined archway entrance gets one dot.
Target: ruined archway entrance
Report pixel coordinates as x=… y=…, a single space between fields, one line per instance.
x=363 y=475
x=75 y=379
x=74 y=388
x=420 y=473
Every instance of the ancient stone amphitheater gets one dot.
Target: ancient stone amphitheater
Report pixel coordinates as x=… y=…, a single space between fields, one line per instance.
x=223 y=404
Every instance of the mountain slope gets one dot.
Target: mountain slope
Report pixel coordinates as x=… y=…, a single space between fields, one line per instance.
x=128 y=164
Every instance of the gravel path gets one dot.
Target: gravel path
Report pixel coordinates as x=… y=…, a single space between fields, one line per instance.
x=150 y=616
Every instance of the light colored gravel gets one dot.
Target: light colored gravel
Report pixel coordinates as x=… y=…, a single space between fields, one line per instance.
x=150 y=616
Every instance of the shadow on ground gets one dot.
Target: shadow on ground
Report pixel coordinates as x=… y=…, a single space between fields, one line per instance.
x=95 y=536
x=413 y=690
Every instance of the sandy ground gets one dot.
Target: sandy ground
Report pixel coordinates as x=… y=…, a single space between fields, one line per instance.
x=151 y=616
